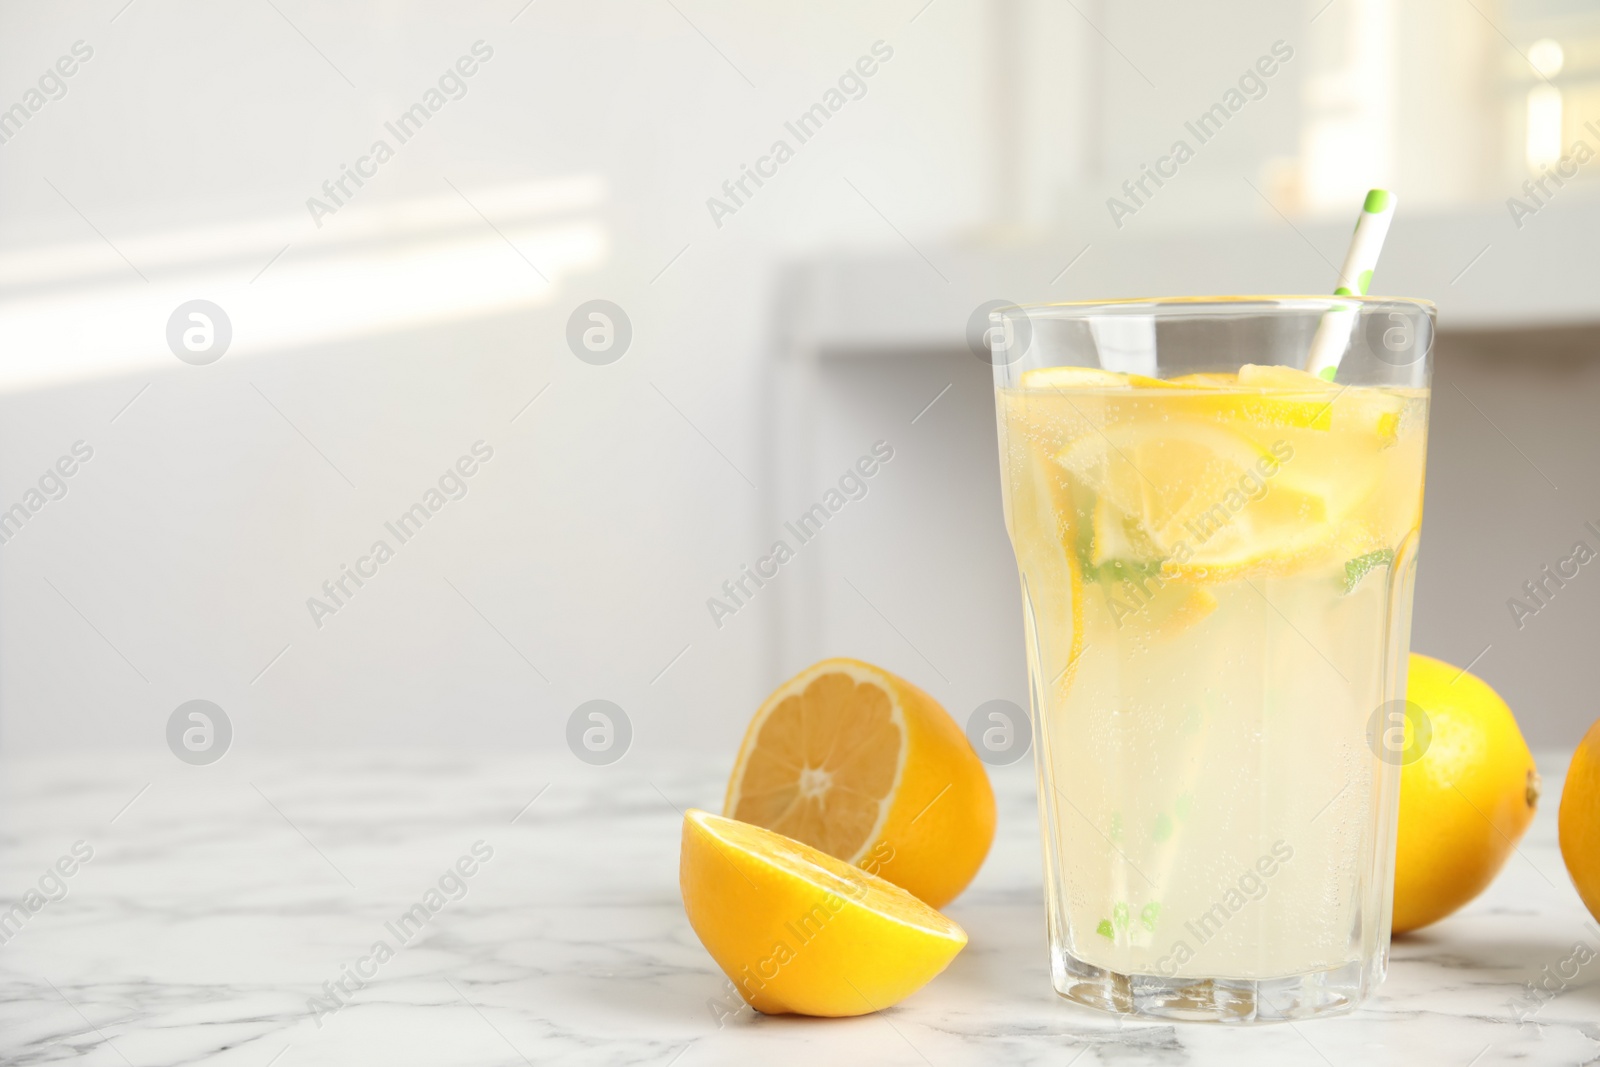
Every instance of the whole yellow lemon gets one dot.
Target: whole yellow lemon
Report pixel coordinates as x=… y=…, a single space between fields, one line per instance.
x=1580 y=820
x=1467 y=798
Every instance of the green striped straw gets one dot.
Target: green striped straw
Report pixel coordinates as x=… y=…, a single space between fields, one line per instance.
x=1355 y=278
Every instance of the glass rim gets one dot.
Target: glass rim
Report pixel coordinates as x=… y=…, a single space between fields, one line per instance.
x=1305 y=301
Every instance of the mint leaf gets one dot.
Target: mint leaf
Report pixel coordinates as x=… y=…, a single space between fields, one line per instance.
x=1122 y=570
x=1356 y=569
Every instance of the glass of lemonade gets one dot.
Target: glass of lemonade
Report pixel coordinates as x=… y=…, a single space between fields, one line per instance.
x=1217 y=550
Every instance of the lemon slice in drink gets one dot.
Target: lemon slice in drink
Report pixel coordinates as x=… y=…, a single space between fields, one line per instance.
x=1241 y=398
x=1345 y=408
x=1258 y=395
x=1286 y=379
x=1089 y=378
x=1034 y=423
x=1074 y=378
x=1206 y=380
x=1212 y=503
x=1117 y=537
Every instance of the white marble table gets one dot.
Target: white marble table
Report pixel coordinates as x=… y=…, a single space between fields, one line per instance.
x=220 y=900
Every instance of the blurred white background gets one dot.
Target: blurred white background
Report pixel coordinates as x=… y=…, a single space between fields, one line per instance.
x=771 y=345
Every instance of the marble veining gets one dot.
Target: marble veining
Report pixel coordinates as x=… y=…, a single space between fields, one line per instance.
x=224 y=905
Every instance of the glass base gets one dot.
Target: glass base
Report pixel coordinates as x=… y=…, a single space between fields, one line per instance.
x=1220 y=1000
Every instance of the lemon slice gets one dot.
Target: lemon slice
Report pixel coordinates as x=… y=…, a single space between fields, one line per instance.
x=1287 y=379
x=1370 y=411
x=1164 y=473
x=1175 y=608
x=1157 y=604
x=1238 y=398
x=1074 y=378
x=1357 y=409
x=1206 y=380
x=1212 y=503
x=798 y=931
x=1039 y=496
x=1118 y=538
x=1192 y=606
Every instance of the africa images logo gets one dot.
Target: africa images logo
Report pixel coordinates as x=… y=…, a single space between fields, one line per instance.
x=1206 y=126
x=452 y=485
x=451 y=85
x=52 y=86
x=852 y=485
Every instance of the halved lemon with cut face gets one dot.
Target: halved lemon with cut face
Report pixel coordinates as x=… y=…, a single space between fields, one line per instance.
x=863 y=765
x=797 y=930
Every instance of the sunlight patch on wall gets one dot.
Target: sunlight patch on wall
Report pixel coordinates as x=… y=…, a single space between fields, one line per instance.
x=80 y=310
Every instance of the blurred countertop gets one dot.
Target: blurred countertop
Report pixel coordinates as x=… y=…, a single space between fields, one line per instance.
x=220 y=903
x=1481 y=271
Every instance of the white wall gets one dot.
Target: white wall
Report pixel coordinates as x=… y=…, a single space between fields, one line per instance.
x=371 y=351
x=379 y=346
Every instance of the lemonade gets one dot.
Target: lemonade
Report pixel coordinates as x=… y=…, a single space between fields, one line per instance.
x=1216 y=573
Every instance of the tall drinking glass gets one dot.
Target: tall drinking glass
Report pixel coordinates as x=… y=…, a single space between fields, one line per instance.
x=1217 y=551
